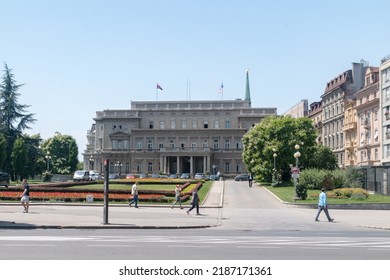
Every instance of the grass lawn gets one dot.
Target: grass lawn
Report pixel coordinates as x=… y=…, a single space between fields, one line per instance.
x=287 y=192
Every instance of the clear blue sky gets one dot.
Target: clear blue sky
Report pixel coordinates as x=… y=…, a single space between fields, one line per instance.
x=78 y=57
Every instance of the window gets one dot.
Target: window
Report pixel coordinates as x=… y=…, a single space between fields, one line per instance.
x=205 y=143
x=216 y=144
x=227 y=124
x=150 y=145
x=171 y=144
x=151 y=124
x=162 y=125
x=173 y=124
x=139 y=145
x=206 y=124
x=227 y=144
x=150 y=166
x=227 y=167
x=114 y=144
x=194 y=124
x=160 y=145
x=216 y=124
x=183 y=124
x=193 y=145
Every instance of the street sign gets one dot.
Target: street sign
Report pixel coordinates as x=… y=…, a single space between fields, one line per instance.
x=295 y=170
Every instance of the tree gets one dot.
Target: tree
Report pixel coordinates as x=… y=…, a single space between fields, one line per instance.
x=13 y=116
x=19 y=157
x=63 y=151
x=279 y=135
x=3 y=146
x=323 y=158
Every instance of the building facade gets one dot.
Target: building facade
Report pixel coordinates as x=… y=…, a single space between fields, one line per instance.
x=368 y=120
x=337 y=91
x=300 y=110
x=384 y=89
x=315 y=114
x=172 y=137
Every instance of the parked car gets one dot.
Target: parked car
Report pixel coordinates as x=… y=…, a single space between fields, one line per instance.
x=199 y=176
x=155 y=176
x=81 y=175
x=130 y=176
x=185 y=176
x=241 y=177
x=113 y=176
x=162 y=176
x=143 y=175
x=4 y=179
x=213 y=177
x=173 y=176
x=93 y=176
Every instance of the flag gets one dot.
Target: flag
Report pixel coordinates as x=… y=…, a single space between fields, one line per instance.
x=221 y=88
x=159 y=87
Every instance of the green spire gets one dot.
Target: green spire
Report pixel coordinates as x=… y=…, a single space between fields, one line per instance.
x=247 y=89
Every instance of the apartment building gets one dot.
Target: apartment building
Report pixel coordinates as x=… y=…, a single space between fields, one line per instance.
x=315 y=114
x=368 y=120
x=350 y=132
x=337 y=91
x=384 y=89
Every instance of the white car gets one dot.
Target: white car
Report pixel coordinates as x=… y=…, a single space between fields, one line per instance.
x=199 y=176
x=93 y=176
x=81 y=175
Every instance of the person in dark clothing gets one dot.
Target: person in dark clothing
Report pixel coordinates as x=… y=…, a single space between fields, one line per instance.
x=194 y=202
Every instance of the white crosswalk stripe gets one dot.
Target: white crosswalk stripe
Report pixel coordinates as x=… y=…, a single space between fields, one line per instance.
x=178 y=240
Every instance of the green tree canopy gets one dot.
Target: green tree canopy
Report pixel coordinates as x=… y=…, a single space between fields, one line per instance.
x=19 y=157
x=13 y=116
x=63 y=152
x=279 y=135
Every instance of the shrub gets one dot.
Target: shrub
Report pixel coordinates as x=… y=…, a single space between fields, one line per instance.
x=354 y=193
x=312 y=178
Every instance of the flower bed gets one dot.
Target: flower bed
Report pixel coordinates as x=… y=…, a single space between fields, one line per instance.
x=53 y=193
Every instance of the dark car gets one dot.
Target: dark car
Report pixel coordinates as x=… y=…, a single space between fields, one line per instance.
x=4 y=179
x=241 y=177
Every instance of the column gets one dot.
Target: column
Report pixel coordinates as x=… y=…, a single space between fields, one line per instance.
x=191 y=166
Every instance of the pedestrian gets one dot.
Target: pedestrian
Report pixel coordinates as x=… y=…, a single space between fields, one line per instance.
x=323 y=206
x=177 y=196
x=194 y=202
x=134 y=192
x=25 y=196
x=250 y=179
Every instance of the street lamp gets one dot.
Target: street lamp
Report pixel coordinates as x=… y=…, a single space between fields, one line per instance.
x=297 y=155
x=274 y=171
x=91 y=160
x=119 y=167
x=48 y=158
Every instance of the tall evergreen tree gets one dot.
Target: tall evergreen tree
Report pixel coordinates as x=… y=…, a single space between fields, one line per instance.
x=13 y=116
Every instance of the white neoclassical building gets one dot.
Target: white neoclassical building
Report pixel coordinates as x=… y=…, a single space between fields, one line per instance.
x=173 y=137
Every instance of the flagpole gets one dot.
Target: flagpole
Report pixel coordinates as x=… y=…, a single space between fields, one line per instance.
x=156 y=92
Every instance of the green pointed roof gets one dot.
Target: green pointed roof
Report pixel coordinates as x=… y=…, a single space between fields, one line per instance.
x=247 y=89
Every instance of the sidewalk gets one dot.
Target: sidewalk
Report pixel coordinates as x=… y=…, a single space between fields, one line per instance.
x=158 y=216
x=119 y=216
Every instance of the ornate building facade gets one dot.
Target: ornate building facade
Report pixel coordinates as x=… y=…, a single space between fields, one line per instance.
x=173 y=137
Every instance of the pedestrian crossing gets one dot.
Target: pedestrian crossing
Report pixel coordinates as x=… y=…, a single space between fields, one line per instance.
x=204 y=241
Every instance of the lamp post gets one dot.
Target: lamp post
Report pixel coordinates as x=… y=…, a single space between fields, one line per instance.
x=119 y=167
x=48 y=158
x=274 y=170
x=297 y=155
x=91 y=160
